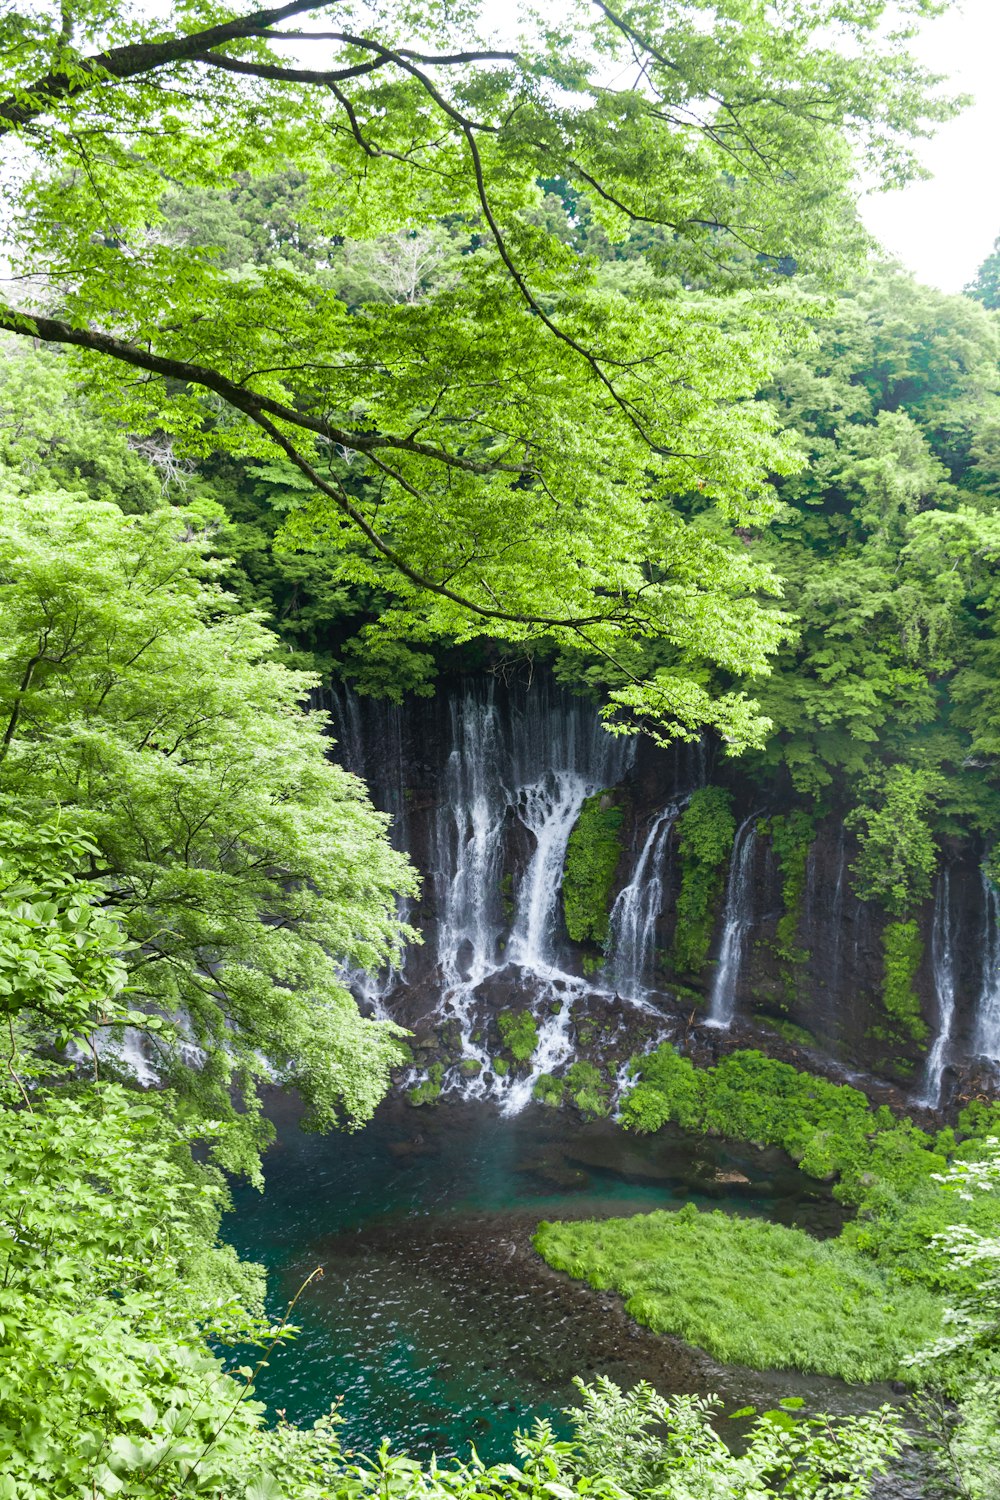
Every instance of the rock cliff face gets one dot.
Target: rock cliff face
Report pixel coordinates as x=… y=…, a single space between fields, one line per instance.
x=486 y=783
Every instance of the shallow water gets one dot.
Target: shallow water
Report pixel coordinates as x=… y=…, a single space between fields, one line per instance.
x=434 y=1320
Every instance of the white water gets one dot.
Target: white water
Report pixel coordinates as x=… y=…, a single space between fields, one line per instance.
x=632 y=935
x=943 y=963
x=987 y=1033
x=528 y=782
x=736 y=922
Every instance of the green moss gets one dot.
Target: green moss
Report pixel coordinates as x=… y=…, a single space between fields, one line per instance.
x=429 y=1091
x=705 y=831
x=592 y=856
x=548 y=1090
x=519 y=1030
x=470 y=1066
x=791 y=839
x=750 y=1292
x=587 y=1088
x=798 y=1036
x=501 y=1067
x=902 y=952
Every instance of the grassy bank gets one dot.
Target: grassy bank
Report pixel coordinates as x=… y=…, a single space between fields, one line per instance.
x=755 y=1293
x=750 y=1292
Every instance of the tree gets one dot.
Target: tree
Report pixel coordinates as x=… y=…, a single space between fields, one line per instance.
x=510 y=451
x=985 y=286
x=138 y=708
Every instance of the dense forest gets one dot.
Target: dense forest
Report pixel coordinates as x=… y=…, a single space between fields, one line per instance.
x=500 y=584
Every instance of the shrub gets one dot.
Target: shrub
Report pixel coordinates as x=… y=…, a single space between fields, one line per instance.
x=519 y=1030
x=587 y=1089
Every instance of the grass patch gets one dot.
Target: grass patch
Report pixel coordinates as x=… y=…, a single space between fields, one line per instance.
x=750 y=1292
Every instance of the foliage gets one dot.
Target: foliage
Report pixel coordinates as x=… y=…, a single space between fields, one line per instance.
x=908 y=1217
x=625 y=1446
x=110 y=1287
x=903 y=949
x=592 y=856
x=588 y=1088
x=548 y=1089
x=985 y=286
x=898 y=852
x=428 y=1091
x=791 y=839
x=243 y=865
x=506 y=452
x=519 y=1031
x=962 y=1365
x=773 y=1297
x=705 y=832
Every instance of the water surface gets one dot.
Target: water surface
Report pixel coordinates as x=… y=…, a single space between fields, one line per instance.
x=434 y=1320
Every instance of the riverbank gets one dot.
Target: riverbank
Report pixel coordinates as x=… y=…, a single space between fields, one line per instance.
x=435 y=1319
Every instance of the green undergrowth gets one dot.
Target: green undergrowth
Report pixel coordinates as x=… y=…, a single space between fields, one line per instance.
x=766 y=1295
x=519 y=1031
x=592 y=856
x=883 y=1167
x=751 y=1292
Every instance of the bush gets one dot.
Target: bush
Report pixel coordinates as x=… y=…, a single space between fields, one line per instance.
x=519 y=1031
x=587 y=1089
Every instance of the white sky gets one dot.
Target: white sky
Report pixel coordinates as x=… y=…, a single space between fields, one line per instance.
x=944 y=228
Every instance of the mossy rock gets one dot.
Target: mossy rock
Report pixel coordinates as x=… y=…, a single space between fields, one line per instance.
x=429 y=1091
x=592 y=857
x=519 y=1030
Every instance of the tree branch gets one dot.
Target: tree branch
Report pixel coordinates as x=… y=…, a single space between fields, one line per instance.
x=251 y=403
x=135 y=58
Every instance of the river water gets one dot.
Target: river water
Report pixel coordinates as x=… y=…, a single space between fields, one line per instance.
x=434 y=1319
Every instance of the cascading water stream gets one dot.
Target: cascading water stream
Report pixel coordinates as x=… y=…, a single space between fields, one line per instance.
x=943 y=963
x=536 y=770
x=469 y=857
x=632 y=928
x=987 y=1032
x=736 y=922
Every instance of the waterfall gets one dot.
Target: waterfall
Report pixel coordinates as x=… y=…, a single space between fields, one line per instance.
x=530 y=770
x=943 y=965
x=736 y=921
x=632 y=933
x=987 y=1033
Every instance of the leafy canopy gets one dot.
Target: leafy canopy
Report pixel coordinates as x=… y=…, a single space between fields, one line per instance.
x=508 y=453
x=145 y=718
